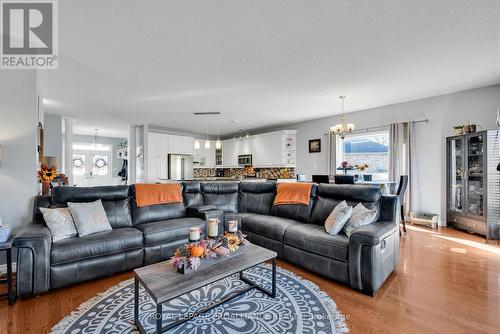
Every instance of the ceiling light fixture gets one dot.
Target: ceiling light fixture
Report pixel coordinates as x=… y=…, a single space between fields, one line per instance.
x=196 y=141
x=96 y=139
x=218 y=143
x=207 y=142
x=343 y=128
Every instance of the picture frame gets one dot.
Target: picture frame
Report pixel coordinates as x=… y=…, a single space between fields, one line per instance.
x=315 y=146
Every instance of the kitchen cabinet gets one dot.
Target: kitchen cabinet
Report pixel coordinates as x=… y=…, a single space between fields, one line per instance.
x=181 y=144
x=273 y=149
x=230 y=153
x=158 y=145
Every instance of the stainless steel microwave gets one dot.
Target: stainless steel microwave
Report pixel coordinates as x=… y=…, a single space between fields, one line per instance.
x=245 y=160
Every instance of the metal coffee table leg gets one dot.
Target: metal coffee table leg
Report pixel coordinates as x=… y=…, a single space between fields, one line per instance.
x=271 y=293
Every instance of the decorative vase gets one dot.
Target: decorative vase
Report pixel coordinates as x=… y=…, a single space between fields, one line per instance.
x=45 y=187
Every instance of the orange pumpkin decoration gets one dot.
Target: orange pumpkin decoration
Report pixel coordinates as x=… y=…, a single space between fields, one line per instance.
x=197 y=251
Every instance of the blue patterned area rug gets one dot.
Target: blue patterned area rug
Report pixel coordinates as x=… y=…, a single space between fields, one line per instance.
x=299 y=307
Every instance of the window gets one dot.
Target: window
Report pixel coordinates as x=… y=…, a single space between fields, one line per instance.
x=370 y=148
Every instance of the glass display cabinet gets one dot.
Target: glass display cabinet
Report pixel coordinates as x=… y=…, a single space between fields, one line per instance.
x=466 y=181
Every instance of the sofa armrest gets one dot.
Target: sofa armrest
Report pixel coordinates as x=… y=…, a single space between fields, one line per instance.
x=372 y=234
x=200 y=208
x=34 y=243
x=373 y=255
x=207 y=214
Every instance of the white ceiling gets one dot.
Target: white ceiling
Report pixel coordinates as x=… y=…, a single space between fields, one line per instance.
x=264 y=62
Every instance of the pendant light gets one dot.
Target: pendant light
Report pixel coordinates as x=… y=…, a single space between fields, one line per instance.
x=207 y=142
x=218 y=143
x=196 y=141
x=342 y=129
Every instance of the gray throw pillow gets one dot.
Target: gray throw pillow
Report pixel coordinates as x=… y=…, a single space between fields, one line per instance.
x=337 y=218
x=90 y=217
x=360 y=216
x=60 y=223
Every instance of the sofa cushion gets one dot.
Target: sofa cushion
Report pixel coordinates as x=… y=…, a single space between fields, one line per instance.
x=169 y=230
x=153 y=213
x=269 y=226
x=298 y=212
x=330 y=195
x=192 y=194
x=89 y=217
x=96 y=245
x=115 y=200
x=256 y=197
x=314 y=239
x=224 y=195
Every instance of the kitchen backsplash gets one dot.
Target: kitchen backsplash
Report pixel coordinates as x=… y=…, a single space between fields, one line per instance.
x=267 y=173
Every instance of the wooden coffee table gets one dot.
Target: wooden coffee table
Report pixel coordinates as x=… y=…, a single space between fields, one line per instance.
x=164 y=283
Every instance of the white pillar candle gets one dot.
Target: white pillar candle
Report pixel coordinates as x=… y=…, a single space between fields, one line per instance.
x=0 y=221
x=194 y=233
x=213 y=227
x=233 y=226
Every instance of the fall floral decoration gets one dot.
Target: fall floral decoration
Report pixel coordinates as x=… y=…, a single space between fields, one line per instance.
x=361 y=167
x=191 y=255
x=47 y=173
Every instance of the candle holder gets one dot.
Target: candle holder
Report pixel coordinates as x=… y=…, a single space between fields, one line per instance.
x=232 y=226
x=213 y=228
x=194 y=234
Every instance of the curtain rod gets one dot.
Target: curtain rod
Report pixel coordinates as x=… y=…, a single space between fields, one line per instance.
x=384 y=126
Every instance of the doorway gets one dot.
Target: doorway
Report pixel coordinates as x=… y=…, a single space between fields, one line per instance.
x=92 y=164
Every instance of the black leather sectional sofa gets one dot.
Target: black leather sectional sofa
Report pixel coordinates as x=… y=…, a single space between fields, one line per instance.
x=142 y=236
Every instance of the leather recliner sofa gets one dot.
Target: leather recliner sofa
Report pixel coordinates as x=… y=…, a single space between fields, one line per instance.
x=146 y=235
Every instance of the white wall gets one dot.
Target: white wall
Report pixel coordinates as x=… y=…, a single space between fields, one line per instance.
x=445 y=111
x=18 y=184
x=53 y=138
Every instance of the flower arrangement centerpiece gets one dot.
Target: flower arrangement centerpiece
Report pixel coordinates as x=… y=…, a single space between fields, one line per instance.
x=190 y=256
x=345 y=166
x=46 y=175
x=361 y=167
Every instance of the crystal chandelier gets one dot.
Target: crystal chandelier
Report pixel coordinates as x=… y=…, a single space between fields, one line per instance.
x=343 y=128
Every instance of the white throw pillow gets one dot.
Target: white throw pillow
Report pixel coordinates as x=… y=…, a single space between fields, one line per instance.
x=90 y=217
x=337 y=218
x=360 y=216
x=60 y=223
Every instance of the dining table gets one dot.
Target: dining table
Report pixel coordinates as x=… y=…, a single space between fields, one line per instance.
x=387 y=187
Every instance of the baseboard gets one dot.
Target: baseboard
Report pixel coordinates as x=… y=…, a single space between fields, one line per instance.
x=3 y=268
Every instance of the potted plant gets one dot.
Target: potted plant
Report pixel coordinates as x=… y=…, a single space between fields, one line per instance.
x=459 y=129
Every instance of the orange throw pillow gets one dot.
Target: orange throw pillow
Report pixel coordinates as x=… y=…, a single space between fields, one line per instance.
x=293 y=193
x=153 y=194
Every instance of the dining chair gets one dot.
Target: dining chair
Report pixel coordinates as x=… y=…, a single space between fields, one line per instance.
x=344 y=179
x=321 y=179
x=403 y=184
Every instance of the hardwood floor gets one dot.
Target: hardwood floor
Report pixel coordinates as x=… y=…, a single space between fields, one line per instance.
x=446 y=282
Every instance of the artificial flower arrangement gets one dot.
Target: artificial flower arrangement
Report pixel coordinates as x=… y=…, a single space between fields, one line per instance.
x=190 y=255
x=47 y=173
x=361 y=167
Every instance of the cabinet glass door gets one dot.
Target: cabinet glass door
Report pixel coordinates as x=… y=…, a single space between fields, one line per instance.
x=456 y=174
x=475 y=174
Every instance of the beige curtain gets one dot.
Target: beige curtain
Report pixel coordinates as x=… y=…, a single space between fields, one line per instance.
x=332 y=154
x=402 y=161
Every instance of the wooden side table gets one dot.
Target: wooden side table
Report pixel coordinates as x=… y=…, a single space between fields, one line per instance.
x=11 y=295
